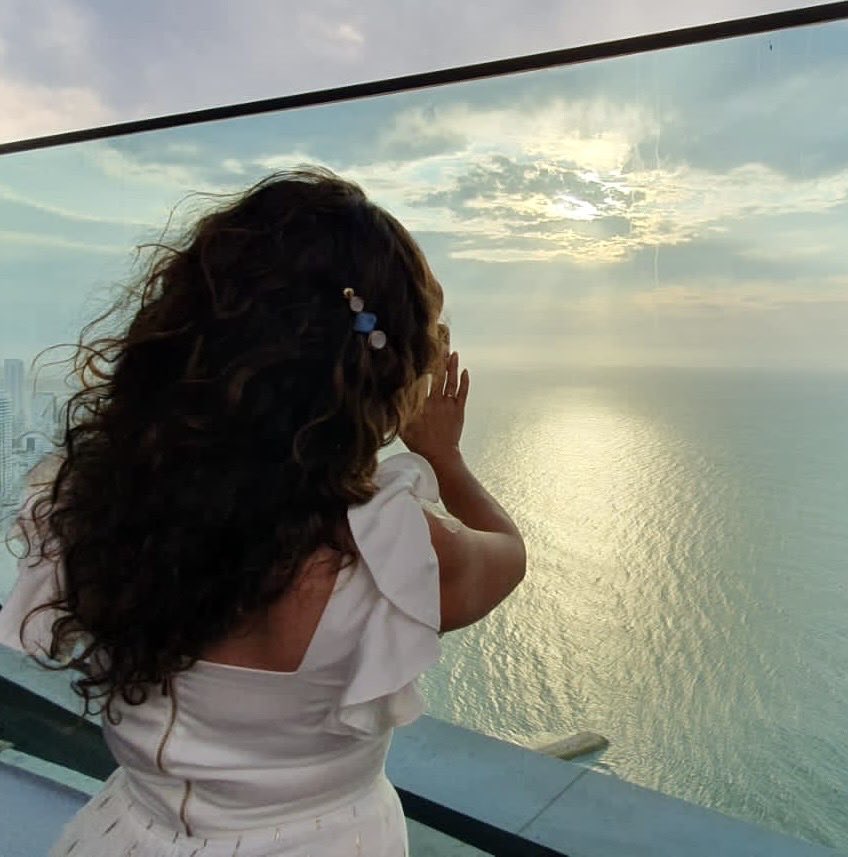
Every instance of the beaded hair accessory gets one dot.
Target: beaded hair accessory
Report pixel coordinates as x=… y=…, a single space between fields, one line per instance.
x=364 y=322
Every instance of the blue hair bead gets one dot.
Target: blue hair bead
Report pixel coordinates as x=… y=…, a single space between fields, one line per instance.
x=364 y=322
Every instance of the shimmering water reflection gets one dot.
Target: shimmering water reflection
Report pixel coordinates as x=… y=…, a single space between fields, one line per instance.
x=686 y=594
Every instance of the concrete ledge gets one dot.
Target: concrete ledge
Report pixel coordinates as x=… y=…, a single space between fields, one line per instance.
x=33 y=809
x=86 y=786
x=603 y=816
x=567 y=807
x=490 y=780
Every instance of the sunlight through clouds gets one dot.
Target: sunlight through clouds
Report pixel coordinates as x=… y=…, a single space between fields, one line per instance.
x=502 y=208
x=519 y=188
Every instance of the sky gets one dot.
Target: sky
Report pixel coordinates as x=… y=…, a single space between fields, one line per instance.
x=69 y=64
x=679 y=208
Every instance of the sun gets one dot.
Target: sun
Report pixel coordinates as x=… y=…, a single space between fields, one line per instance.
x=573 y=208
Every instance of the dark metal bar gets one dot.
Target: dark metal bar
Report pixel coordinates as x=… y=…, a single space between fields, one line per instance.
x=532 y=62
x=471 y=831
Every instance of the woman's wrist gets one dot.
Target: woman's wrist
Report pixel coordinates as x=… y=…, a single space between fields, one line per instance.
x=445 y=459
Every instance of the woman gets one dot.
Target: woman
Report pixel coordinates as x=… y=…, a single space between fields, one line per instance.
x=249 y=594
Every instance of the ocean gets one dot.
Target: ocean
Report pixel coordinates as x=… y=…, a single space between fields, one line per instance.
x=687 y=585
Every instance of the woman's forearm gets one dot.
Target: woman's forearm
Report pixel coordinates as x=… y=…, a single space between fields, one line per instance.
x=466 y=499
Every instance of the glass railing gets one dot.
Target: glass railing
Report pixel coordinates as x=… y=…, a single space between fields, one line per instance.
x=644 y=269
x=46 y=732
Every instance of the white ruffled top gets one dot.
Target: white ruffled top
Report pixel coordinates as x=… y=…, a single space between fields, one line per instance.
x=234 y=748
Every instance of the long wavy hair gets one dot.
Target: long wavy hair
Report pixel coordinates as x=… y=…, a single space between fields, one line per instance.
x=216 y=443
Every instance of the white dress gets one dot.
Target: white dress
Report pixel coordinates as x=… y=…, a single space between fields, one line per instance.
x=238 y=762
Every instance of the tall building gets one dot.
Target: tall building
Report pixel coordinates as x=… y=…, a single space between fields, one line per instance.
x=6 y=462
x=13 y=381
x=43 y=413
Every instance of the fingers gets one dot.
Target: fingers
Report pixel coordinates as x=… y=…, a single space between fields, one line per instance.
x=446 y=381
x=464 y=384
x=439 y=376
x=451 y=376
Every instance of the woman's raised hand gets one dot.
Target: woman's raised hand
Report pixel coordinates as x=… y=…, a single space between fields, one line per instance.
x=436 y=431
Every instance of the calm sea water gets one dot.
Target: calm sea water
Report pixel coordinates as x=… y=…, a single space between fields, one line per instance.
x=687 y=588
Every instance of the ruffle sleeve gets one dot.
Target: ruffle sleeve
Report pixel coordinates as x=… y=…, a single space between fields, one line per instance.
x=400 y=637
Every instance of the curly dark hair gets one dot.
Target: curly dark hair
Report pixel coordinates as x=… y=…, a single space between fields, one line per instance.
x=217 y=442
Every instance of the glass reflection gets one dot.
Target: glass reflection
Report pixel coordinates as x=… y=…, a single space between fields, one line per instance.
x=683 y=211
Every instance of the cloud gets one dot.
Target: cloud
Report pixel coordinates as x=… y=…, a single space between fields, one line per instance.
x=283 y=161
x=117 y=163
x=516 y=192
x=521 y=182
x=46 y=69
x=742 y=297
x=40 y=239
x=326 y=36
x=9 y=195
x=28 y=109
x=598 y=134
x=552 y=305
x=164 y=57
x=49 y=41
x=567 y=180
x=725 y=323
x=233 y=165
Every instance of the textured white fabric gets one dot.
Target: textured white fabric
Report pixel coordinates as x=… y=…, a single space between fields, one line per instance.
x=235 y=756
x=113 y=825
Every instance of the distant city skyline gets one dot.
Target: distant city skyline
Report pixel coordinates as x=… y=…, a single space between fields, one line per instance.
x=28 y=430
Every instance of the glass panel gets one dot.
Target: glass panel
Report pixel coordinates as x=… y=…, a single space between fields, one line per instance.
x=643 y=261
